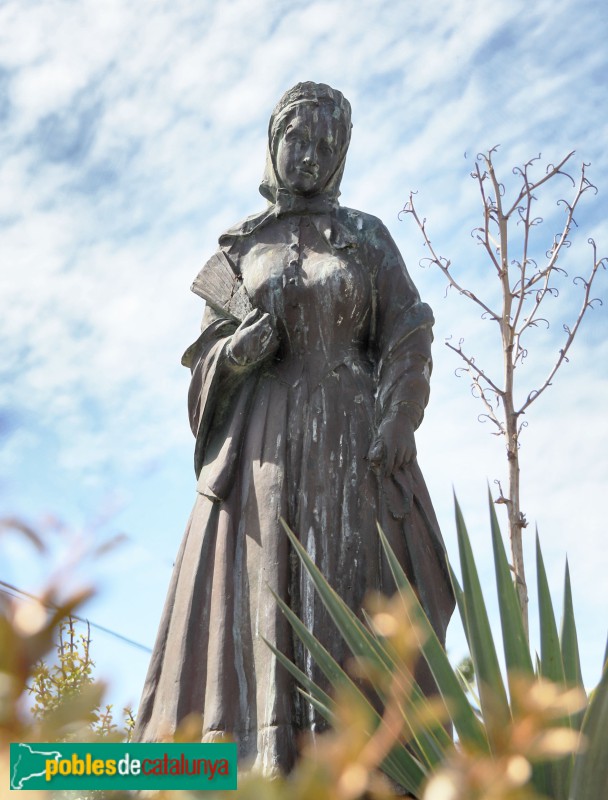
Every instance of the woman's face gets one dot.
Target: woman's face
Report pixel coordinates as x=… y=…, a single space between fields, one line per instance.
x=308 y=151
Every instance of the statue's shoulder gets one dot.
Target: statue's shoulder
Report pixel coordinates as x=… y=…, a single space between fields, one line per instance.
x=242 y=229
x=368 y=229
x=358 y=220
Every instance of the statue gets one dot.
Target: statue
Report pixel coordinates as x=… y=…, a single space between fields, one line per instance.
x=309 y=379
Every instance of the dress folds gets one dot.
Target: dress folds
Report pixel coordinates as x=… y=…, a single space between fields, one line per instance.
x=289 y=439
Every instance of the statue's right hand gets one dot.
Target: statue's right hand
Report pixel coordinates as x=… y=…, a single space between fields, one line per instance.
x=254 y=340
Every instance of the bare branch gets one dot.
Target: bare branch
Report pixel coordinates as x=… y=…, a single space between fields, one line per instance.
x=501 y=499
x=473 y=366
x=560 y=241
x=521 y=304
x=443 y=263
x=529 y=188
x=571 y=332
x=491 y=413
x=527 y=228
x=531 y=320
x=487 y=240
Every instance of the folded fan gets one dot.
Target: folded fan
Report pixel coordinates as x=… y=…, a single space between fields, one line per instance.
x=222 y=288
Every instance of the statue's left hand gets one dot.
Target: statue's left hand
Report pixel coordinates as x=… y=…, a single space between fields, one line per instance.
x=394 y=445
x=254 y=340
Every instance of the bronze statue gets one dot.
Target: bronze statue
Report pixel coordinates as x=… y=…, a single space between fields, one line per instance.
x=309 y=378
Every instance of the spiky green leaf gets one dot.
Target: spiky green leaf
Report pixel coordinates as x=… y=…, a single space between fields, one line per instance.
x=515 y=641
x=492 y=693
x=590 y=774
x=551 y=664
x=569 y=638
x=428 y=743
x=314 y=690
x=400 y=765
x=467 y=725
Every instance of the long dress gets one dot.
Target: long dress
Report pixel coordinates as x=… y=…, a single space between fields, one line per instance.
x=289 y=439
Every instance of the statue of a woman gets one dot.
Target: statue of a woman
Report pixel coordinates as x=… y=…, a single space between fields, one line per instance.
x=308 y=381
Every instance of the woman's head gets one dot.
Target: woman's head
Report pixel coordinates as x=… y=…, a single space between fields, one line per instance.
x=308 y=137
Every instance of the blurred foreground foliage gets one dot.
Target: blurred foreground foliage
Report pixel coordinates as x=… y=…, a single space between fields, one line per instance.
x=67 y=677
x=534 y=735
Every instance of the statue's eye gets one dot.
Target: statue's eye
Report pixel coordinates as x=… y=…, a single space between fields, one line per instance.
x=326 y=148
x=296 y=135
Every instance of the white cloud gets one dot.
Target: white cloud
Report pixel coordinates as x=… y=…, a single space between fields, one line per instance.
x=134 y=134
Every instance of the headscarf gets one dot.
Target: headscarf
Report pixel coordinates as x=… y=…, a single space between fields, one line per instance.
x=280 y=199
x=313 y=94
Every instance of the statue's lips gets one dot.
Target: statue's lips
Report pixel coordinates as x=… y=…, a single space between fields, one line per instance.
x=307 y=173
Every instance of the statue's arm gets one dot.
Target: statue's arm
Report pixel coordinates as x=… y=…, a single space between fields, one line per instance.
x=208 y=363
x=402 y=339
x=222 y=358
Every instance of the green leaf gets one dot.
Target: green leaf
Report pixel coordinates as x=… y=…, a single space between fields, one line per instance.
x=361 y=642
x=492 y=693
x=321 y=707
x=515 y=641
x=551 y=664
x=400 y=764
x=325 y=661
x=429 y=743
x=467 y=725
x=551 y=667
x=590 y=774
x=302 y=678
x=459 y=595
x=569 y=639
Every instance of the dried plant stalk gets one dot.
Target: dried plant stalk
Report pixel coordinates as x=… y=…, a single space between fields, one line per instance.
x=525 y=285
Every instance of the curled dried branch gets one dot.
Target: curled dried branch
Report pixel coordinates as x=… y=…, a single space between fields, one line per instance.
x=472 y=366
x=501 y=499
x=530 y=187
x=483 y=418
x=443 y=263
x=571 y=330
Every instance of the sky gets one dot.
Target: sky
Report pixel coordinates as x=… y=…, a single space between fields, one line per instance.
x=132 y=134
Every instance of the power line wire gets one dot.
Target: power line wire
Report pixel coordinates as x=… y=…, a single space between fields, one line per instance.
x=115 y=634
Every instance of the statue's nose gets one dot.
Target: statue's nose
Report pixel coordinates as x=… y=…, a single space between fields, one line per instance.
x=310 y=156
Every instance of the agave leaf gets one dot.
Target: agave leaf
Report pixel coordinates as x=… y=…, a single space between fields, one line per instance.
x=325 y=661
x=321 y=707
x=434 y=745
x=542 y=778
x=468 y=727
x=429 y=742
x=492 y=693
x=403 y=768
x=361 y=641
x=515 y=642
x=469 y=687
x=569 y=639
x=313 y=689
x=590 y=774
x=400 y=764
x=551 y=664
x=459 y=595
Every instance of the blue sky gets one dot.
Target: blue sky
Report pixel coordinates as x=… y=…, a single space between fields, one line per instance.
x=132 y=134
